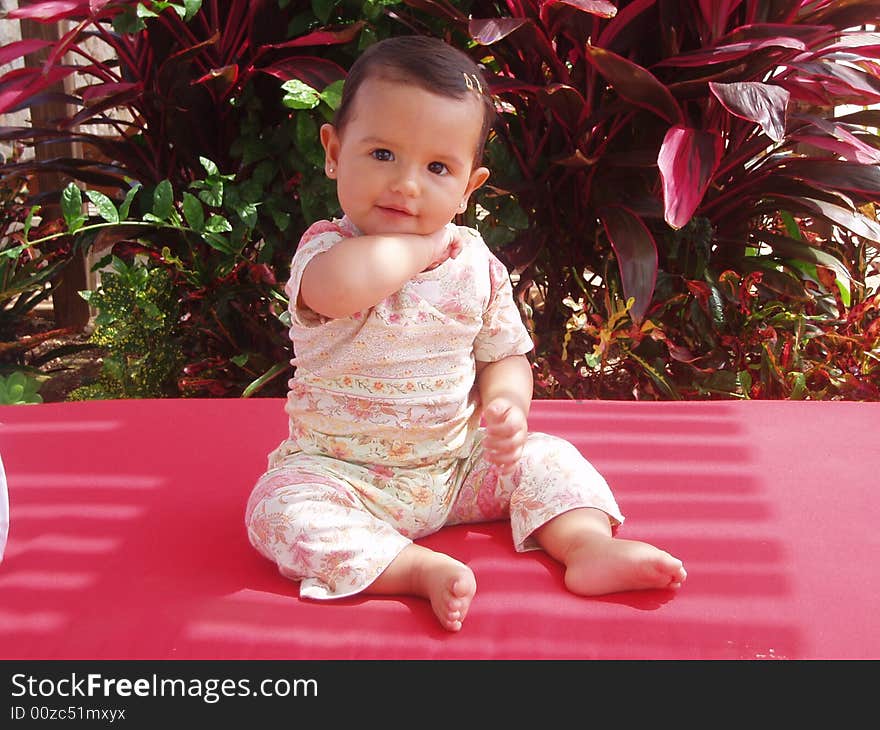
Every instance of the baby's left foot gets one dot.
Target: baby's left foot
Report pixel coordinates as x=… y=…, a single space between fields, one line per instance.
x=609 y=565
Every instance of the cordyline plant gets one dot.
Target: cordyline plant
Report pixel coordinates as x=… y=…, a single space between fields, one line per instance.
x=654 y=145
x=155 y=88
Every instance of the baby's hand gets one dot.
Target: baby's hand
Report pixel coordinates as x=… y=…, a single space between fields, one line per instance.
x=445 y=244
x=506 y=432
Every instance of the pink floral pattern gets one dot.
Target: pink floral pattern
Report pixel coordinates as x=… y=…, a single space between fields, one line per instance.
x=384 y=444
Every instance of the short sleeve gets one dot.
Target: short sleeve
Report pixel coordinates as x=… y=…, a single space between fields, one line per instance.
x=319 y=237
x=503 y=333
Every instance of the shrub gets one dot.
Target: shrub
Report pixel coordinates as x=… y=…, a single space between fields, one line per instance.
x=652 y=158
x=138 y=328
x=655 y=145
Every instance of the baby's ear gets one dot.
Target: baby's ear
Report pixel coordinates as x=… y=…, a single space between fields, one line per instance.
x=330 y=143
x=478 y=177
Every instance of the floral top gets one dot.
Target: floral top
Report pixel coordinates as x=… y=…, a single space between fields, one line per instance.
x=394 y=384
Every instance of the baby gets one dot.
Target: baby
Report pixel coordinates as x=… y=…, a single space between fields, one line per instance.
x=409 y=403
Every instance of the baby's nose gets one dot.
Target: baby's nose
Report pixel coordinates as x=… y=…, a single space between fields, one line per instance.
x=406 y=183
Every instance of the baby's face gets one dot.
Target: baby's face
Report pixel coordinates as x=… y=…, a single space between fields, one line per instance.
x=404 y=163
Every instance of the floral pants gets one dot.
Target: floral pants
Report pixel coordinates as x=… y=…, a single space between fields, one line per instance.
x=336 y=526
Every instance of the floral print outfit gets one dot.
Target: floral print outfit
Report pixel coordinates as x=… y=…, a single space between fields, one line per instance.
x=384 y=440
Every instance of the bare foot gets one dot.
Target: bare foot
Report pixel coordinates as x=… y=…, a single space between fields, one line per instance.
x=417 y=571
x=603 y=564
x=450 y=586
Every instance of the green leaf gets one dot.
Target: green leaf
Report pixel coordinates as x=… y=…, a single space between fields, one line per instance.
x=212 y=195
x=126 y=203
x=29 y=220
x=299 y=95
x=193 y=212
x=263 y=379
x=248 y=214
x=240 y=360
x=128 y=22
x=744 y=378
x=218 y=243
x=12 y=253
x=19 y=389
x=799 y=385
x=280 y=217
x=323 y=8
x=791 y=227
x=192 y=7
x=71 y=207
x=332 y=95
x=210 y=167
x=163 y=200
x=105 y=207
x=307 y=140
x=144 y=12
x=217 y=224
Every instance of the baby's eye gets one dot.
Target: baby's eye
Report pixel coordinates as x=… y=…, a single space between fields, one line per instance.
x=383 y=155
x=438 y=168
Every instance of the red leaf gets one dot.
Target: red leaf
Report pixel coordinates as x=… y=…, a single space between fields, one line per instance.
x=776 y=30
x=17 y=49
x=594 y=7
x=491 y=30
x=100 y=91
x=845 y=82
x=23 y=84
x=635 y=83
x=716 y=13
x=622 y=20
x=856 y=151
x=688 y=159
x=602 y=8
x=51 y=11
x=323 y=37
x=763 y=104
x=316 y=72
x=853 y=221
x=636 y=253
x=221 y=78
x=834 y=174
x=565 y=102
x=731 y=52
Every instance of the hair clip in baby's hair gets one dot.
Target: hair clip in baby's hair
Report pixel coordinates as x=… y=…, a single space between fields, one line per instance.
x=472 y=82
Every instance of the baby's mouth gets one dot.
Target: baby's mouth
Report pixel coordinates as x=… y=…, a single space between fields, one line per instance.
x=395 y=210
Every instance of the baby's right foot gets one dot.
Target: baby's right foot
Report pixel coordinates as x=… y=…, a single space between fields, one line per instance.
x=417 y=571
x=450 y=586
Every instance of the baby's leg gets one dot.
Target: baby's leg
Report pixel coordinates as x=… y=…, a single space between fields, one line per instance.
x=417 y=571
x=558 y=501
x=305 y=518
x=597 y=563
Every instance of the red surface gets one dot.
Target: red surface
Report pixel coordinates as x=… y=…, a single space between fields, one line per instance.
x=127 y=540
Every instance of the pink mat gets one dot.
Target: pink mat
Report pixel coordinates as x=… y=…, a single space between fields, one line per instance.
x=126 y=540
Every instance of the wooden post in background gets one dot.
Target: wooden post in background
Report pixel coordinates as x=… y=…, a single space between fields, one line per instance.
x=70 y=309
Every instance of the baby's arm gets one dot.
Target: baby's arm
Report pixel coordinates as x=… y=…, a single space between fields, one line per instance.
x=358 y=273
x=506 y=393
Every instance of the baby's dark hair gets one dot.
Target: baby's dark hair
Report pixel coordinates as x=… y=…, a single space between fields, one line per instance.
x=422 y=61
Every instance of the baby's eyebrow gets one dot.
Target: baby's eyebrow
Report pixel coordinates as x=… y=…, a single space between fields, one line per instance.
x=375 y=140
